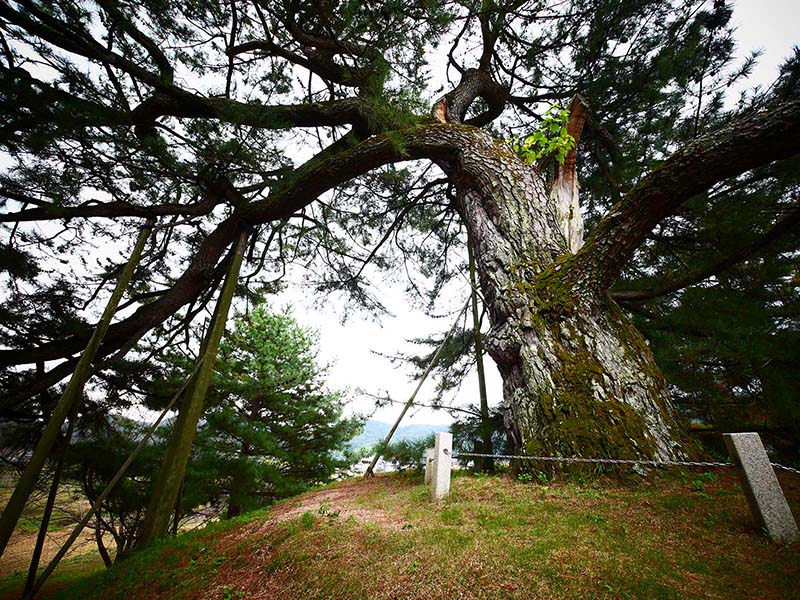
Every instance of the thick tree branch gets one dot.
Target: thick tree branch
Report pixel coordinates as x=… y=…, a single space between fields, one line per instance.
x=111 y=210
x=195 y=279
x=170 y=100
x=50 y=106
x=489 y=33
x=182 y=104
x=344 y=160
x=748 y=142
x=453 y=106
x=78 y=42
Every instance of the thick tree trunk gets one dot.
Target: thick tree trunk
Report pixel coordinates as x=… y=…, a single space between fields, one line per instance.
x=578 y=378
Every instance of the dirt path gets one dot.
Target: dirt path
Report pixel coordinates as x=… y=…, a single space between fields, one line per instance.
x=344 y=501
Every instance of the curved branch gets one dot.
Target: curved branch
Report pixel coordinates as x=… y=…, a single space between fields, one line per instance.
x=189 y=285
x=349 y=158
x=126 y=25
x=46 y=212
x=316 y=62
x=453 y=106
x=341 y=162
x=746 y=143
x=663 y=288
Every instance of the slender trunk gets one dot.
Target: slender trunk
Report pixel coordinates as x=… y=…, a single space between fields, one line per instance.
x=176 y=518
x=165 y=493
x=48 y=508
x=578 y=379
x=235 y=498
x=238 y=492
x=101 y=547
x=485 y=429
x=71 y=396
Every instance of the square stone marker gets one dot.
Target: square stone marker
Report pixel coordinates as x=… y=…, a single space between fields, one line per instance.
x=443 y=454
x=764 y=493
x=428 y=465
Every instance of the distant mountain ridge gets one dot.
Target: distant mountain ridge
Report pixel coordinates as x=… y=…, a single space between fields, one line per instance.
x=375 y=431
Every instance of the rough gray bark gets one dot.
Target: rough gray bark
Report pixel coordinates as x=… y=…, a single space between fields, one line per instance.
x=578 y=378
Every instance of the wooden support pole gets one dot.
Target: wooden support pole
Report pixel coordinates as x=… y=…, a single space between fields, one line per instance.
x=98 y=503
x=27 y=591
x=72 y=395
x=161 y=507
x=485 y=428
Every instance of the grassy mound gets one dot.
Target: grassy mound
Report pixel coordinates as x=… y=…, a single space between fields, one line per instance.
x=684 y=536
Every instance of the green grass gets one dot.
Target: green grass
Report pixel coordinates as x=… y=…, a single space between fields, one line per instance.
x=57 y=522
x=71 y=572
x=686 y=536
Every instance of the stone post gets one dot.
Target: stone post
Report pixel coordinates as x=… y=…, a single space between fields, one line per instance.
x=428 y=465
x=764 y=494
x=442 y=456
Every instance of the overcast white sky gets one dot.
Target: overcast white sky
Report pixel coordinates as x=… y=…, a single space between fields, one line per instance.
x=772 y=25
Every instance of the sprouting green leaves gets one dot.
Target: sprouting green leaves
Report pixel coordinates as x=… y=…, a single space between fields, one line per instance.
x=551 y=138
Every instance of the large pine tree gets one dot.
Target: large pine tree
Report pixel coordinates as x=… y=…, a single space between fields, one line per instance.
x=309 y=124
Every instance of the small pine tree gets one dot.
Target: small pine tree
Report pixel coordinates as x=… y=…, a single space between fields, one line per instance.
x=272 y=428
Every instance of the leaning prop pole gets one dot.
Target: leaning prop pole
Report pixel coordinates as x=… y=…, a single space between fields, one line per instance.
x=71 y=396
x=27 y=591
x=485 y=429
x=370 y=470
x=114 y=480
x=161 y=507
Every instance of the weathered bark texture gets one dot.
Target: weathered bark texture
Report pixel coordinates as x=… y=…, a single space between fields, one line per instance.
x=578 y=378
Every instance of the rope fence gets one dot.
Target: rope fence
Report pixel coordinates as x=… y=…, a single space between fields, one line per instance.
x=612 y=461
x=756 y=472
